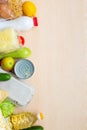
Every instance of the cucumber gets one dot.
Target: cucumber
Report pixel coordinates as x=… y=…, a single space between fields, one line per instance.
x=35 y=128
x=5 y=76
x=22 y=52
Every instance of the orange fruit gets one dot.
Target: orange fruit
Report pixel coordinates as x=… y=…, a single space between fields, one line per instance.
x=29 y=9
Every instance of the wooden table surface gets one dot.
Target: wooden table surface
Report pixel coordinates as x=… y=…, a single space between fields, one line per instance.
x=58 y=53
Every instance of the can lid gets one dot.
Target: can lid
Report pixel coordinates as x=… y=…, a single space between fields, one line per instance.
x=24 y=69
x=35 y=21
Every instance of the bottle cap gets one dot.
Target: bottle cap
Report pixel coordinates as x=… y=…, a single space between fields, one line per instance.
x=21 y=40
x=35 y=21
x=40 y=116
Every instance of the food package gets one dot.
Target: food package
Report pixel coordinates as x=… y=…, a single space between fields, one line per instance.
x=8 y=40
x=10 y=9
x=3 y=124
x=19 y=93
x=3 y=1
x=3 y=95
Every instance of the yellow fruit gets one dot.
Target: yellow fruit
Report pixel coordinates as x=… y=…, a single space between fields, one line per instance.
x=7 y=63
x=29 y=8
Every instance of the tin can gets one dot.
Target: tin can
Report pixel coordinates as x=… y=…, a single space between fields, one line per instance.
x=24 y=69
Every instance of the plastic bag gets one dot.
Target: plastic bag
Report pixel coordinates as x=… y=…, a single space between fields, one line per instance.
x=8 y=40
x=10 y=9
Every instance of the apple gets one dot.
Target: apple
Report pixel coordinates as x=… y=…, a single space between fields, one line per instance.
x=7 y=63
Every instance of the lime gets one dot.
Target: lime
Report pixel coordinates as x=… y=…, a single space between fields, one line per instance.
x=7 y=63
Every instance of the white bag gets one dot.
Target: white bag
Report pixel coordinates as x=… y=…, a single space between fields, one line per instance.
x=8 y=40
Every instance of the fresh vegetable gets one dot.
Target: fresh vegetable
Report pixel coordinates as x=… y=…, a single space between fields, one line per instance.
x=22 y=23
x=29 y=8
x=7 y=63
x=5 y=76
x=7 y=107
x=23 y=52
x=35 y=128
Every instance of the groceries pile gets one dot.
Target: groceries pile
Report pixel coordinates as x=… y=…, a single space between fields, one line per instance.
x=16 y=16
x=20 y=121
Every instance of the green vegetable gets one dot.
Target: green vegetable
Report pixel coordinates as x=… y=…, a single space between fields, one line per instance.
x=5 y=76
x=35 y=128
x=7 y=108
x=23 y=52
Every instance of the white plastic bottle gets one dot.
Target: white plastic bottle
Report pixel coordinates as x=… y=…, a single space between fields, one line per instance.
x=22 y=23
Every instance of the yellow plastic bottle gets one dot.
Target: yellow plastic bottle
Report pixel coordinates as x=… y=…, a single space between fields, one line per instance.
x=23 y=120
